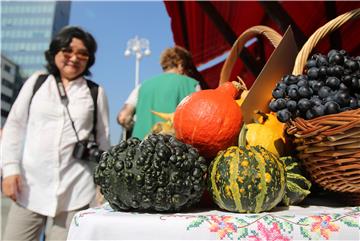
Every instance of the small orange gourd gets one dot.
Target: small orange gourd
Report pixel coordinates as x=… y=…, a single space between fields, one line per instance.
x=210 y=120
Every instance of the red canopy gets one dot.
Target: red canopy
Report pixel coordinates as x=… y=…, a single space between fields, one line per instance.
x=209 y=28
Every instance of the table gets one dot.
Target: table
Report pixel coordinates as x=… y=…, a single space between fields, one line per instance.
x=283 y=223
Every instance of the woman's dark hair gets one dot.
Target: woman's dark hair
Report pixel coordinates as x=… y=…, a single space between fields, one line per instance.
x=63 y=40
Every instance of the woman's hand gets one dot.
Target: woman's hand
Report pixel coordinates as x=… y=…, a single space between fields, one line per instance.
x=125 y=117
x=11 y=186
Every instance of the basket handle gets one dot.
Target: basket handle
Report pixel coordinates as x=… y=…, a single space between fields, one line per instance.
x=269 y=33
x=332 y=25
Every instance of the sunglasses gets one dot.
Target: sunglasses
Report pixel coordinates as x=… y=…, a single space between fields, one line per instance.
x=82 y=55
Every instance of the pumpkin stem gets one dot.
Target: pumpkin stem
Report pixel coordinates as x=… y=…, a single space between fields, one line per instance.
x=237 y=85
x=242 y=84
x=164 y=116
x=242 y=136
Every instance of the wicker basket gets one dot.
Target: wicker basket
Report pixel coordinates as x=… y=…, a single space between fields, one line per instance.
x=273 y=36
x=329 y=146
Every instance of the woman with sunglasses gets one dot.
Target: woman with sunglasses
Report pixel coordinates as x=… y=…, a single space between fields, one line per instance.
x=41 y=175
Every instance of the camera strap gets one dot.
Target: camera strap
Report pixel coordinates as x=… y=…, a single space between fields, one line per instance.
x=65 y=101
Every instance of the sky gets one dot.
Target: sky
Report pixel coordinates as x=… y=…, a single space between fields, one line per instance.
x=113 y=23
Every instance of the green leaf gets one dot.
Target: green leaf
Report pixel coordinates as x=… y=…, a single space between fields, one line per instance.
x=197 y=222
x=268 y=220
x=351 y=222
x=240 y=222
x=286 y=227
x=230 y=235
x=305 y=220
x=242 y=233
x=305 y=233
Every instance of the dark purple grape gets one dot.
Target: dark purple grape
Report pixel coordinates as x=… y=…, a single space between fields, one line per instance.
x=309 y=114
x=305 y=92
x=343 y=52
x=311 y=63
x=347 y=80
x=291 y=105
x=315 y=100
x=293 y=93
x=319 y=110
x=303 y=82
x=313 y=73
x=292 y=86
x=278 y=93
x=303 y=104
x=353 y=103
x=322 y=61
x=331 y=107
x=281 y=85
x=322 y=71
x=332 y=52
x=330 y=71
x=280 y=104
x=347 y=72
x=338 y=71
x=283 y=115
x=331 y=97
x=317 y=85
x=336 y=59
x=324 y=92
x=342 y=98
x=272 y=106
x=355 y=83
x=302 y=77
x=315 y=56
x=352 y=65
x=333 y=82
x=312 y=82
x=342 y=86
x=290 y=79
x=296 y=113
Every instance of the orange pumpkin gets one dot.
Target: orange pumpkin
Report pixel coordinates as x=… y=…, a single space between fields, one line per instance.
x=210 y=120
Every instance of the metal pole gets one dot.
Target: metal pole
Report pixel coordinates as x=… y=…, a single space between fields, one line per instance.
x=139 y=47
x=137 y=71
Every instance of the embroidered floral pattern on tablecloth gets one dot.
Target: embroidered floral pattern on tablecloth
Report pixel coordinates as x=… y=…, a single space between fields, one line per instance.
x=273 y=227
x=221 y=226
x=105 y=207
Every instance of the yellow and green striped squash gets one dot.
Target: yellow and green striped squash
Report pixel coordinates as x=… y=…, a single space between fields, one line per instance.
x=246 y=179
x=297 y=186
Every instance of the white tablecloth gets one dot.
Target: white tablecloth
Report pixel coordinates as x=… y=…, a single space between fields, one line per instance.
x=293 y=223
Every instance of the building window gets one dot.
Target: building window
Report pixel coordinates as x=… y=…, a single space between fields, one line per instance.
x=5 y=98
x=6 y=83
x=7 y=68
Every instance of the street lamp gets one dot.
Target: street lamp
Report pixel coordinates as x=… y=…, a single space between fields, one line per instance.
x=139 y=47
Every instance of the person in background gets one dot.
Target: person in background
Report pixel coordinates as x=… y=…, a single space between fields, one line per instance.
x=40 y=174
x=126 y=116
x=161 y=93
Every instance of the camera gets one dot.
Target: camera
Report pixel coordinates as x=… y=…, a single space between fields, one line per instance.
x=87 y=151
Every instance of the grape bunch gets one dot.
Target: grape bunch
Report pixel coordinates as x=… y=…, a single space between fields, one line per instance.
x=330 y=84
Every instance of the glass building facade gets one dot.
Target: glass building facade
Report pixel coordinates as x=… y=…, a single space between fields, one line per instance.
x=27 y=29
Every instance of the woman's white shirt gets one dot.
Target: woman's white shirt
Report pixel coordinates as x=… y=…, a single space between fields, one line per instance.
x=38 y=142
